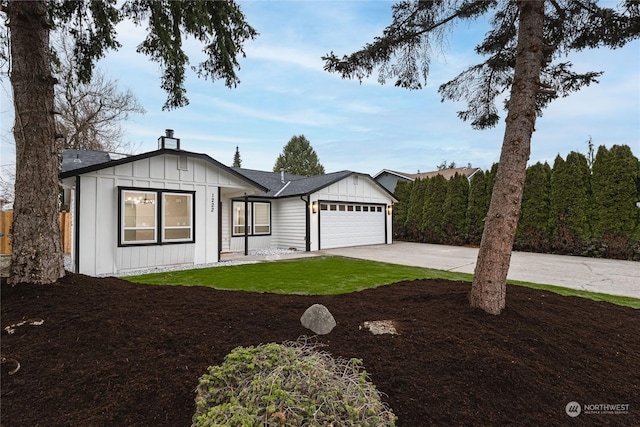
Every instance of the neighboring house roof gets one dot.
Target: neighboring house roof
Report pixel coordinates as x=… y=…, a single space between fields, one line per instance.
x=94 y=161
x=446 y=173
x=297 y=185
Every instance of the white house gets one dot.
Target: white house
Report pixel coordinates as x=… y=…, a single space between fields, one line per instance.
x=174 y=207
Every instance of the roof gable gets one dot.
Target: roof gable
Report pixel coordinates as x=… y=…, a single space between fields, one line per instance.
x=393 y=173
x=90 y=162
x=297 y=185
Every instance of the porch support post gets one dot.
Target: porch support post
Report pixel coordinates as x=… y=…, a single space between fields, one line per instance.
x=246 y=225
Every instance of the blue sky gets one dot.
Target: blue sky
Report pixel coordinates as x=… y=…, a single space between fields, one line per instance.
x=366 y=127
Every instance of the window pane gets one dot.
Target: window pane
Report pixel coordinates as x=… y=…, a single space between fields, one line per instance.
x=139 y=235
x=262 y=229
x=177 y=217
x=139 y=216
x=239 y=218
x=177 y=234
x=177 y=210
x=262 y=214
x=139 y=209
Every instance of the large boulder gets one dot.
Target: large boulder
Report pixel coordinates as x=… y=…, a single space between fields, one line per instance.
x=318 y=319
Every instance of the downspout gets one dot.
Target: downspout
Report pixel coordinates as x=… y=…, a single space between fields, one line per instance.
x=307 y=223
x=76 y=226
x=246 y=225
x=219 y=207
x=387 y=209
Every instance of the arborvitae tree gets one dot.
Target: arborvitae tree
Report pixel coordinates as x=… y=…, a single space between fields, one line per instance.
x=569 y=203
x=400 y=208
x=299 y=158
x=414 y=210
x=491 y=176
x=477 y=208
x=615 y=219
x=456 y=203
x=237 y=162
x=534 y=225
x=433 y=210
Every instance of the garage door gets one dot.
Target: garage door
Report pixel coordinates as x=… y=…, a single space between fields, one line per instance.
x=344 y=224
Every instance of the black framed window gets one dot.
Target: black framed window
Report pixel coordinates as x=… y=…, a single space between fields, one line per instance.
x=257 y=219
x=151 y=216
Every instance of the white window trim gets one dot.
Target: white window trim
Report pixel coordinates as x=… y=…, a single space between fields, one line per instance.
x=235 y=203
x=164 y=227
x=124 y=228
x=255 y=223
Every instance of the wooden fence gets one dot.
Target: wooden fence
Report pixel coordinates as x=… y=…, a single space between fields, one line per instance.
x=6 y=219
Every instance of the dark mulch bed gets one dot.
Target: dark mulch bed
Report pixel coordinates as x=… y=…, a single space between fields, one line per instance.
x=113 y=353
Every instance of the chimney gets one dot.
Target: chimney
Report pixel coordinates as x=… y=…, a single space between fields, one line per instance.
x=168 y=141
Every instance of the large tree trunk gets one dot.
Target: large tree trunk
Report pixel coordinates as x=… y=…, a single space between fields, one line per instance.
x=488 y=290
x=37 y=247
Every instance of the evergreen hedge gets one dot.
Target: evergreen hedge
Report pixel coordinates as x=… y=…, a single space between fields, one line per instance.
x=573 y=208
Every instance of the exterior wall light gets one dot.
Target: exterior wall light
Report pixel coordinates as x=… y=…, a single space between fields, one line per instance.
x=314 y=207
x=389 y=209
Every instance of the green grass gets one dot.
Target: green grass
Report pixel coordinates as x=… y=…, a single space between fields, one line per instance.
x=330 y=276
x=613 y=299
x=309 y=276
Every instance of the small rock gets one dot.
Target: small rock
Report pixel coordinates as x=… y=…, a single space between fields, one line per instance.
x=318 y=319
x=379 y=327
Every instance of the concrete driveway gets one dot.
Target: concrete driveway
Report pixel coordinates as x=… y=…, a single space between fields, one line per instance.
x=589 y=274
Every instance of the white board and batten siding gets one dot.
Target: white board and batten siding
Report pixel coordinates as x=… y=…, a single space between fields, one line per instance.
x=99 y=252
x=351 y=212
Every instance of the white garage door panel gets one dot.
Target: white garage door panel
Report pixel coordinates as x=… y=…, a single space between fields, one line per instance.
x=351 y=228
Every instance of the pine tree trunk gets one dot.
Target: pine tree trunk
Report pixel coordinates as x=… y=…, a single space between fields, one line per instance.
x=37 y=248
x=488 y=290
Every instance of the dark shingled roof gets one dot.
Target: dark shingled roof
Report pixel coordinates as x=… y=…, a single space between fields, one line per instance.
x=294 y=185
x=91 y=161
x=76 y=162
x=76 y=159
x=297 y=185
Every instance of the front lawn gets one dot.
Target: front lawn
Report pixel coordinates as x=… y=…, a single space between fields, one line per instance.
x=308 y=276
x=330 y=276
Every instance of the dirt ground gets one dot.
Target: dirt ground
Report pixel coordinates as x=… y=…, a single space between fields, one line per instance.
x=113 y=353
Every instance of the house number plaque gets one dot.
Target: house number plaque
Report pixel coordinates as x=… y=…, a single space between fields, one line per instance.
x=213 y=202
